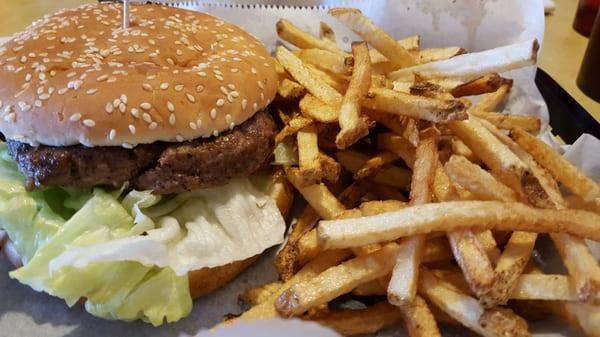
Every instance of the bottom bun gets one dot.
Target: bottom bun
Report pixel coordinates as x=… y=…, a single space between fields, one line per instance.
x=206 y=280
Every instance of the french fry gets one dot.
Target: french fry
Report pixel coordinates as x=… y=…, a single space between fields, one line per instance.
x=418 y=319
x=403 y=126
x=325 y=60
x=461 y=67
x=335 y=81
x=266 y=309
x=317 y=196
x=292 y=34
x=375 y=36
x=353 y=126
x=391 y=175
x=402 y=288
x=308 y=156
x=316 y=109
x=492 y=100
x=430 y=109
x=438 y=54
x=293 y=126
x=362 y=321
x=560 y=168
x=287 y=261
x=478 y=181
x=430 y=90
x=484 y=84
x=306 y=78
x=508 y=121
x=336 y=281
x=455 y=215
x=411 y=43
x=488 y=242
x=260 y=294
x=461 y=149
x=501 y=160
x=290 y=90
x=544 y=287
x=326 y=32
x=374 y=165
x=587 y=316
x=351 y=195
x=398 y=145
x=308 y=247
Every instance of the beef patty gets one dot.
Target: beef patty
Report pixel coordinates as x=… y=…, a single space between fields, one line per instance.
x=162 y=167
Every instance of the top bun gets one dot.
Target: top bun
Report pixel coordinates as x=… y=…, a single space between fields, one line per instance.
x=76 y=77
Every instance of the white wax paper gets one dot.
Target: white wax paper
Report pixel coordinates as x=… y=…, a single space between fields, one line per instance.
x=472 y=24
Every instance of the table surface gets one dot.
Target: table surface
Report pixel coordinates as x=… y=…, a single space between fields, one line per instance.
x=561 y=55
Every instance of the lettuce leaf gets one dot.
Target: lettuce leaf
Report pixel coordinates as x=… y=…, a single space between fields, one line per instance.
x=129 y=256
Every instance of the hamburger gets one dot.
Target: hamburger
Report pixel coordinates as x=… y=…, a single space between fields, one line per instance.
x=132 y=176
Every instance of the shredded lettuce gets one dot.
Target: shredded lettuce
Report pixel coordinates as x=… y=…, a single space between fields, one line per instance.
x=128 y=256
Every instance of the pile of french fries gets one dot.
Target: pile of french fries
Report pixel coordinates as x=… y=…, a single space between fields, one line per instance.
x=424 y=199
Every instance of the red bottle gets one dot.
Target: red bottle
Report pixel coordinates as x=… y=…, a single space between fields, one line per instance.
x=585 y=16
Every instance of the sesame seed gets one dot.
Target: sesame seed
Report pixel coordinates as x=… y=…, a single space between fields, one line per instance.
x=75 y=117
x=109 y=107
x=164 y=86
x=135 y=112
x=151 y=77
x=102 y=78
x=253 y=70
x=122 y=107
x=179 y=138
x=111 y=79
x=123 y=98
x=179 y=87
x=62 y=91
x=89 y=123
x=224 y=90
x=172 y=119
x=228 y=118
x=265 y=64
x=132 y=129
x=146 y=106
x=37 y=103
x=71 y=74
x=28 y=77
x=193 y=126
x=220 y=102
x=146 y=117
x=219 y=77
x=44 y=96
x=244 y=104
x=199 y=88
x=112 y=134
x=91 y=91
x=213 y=113
x=235 y=94
x=127 y=146
x=170 y=106
x=179 y=52
x=24 y=106
x=116 y=102
x=262 y=96
x=42 y=76
x=152 y=126
x=23 y=59
x=170 y=61
x=190 y=97
x=216 y=133
x=199 y=122
x=255 y=106
x=231 y=125
x=260 y=85
x=231 y=86
x=147 y=87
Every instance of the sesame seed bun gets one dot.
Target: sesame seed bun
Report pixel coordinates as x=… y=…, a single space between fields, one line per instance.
x=76 y=77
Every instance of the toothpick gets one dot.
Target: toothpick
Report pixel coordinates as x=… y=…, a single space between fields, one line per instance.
x=125 y=14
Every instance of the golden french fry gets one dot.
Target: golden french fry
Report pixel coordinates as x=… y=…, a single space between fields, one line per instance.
x=316 y=109
x=260 y=294
x=324 y=261
x=468 y=311
x=317 y=196
x=336 y=281
x=430 y=109
x=411 y=43
x=308 y=247
x=374 y=165
x=484 y=84
x=375 y=36
x=587 y=316
x=402 y=288
x=390 y=175
x=292 y=34
x=461 y=149
x=560 y=168
x=350 y=322
x=478 y=181
x=401 y=125
x=325 y=60
x=508 y=121
x=455 y=215
x=544 y=287
x=293 y=126
x=470 y=66
x=353 y=126
x=306 y=78
x=437 y=54
x=492 y=100
x=418 y=319
x=326 y=32
x=290 y=90
x=287 y=261
x=431 y=90
x=310 y=169
x=351 y=195
x=335 y=81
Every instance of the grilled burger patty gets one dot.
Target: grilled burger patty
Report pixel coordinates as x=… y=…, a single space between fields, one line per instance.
x=162 y=167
